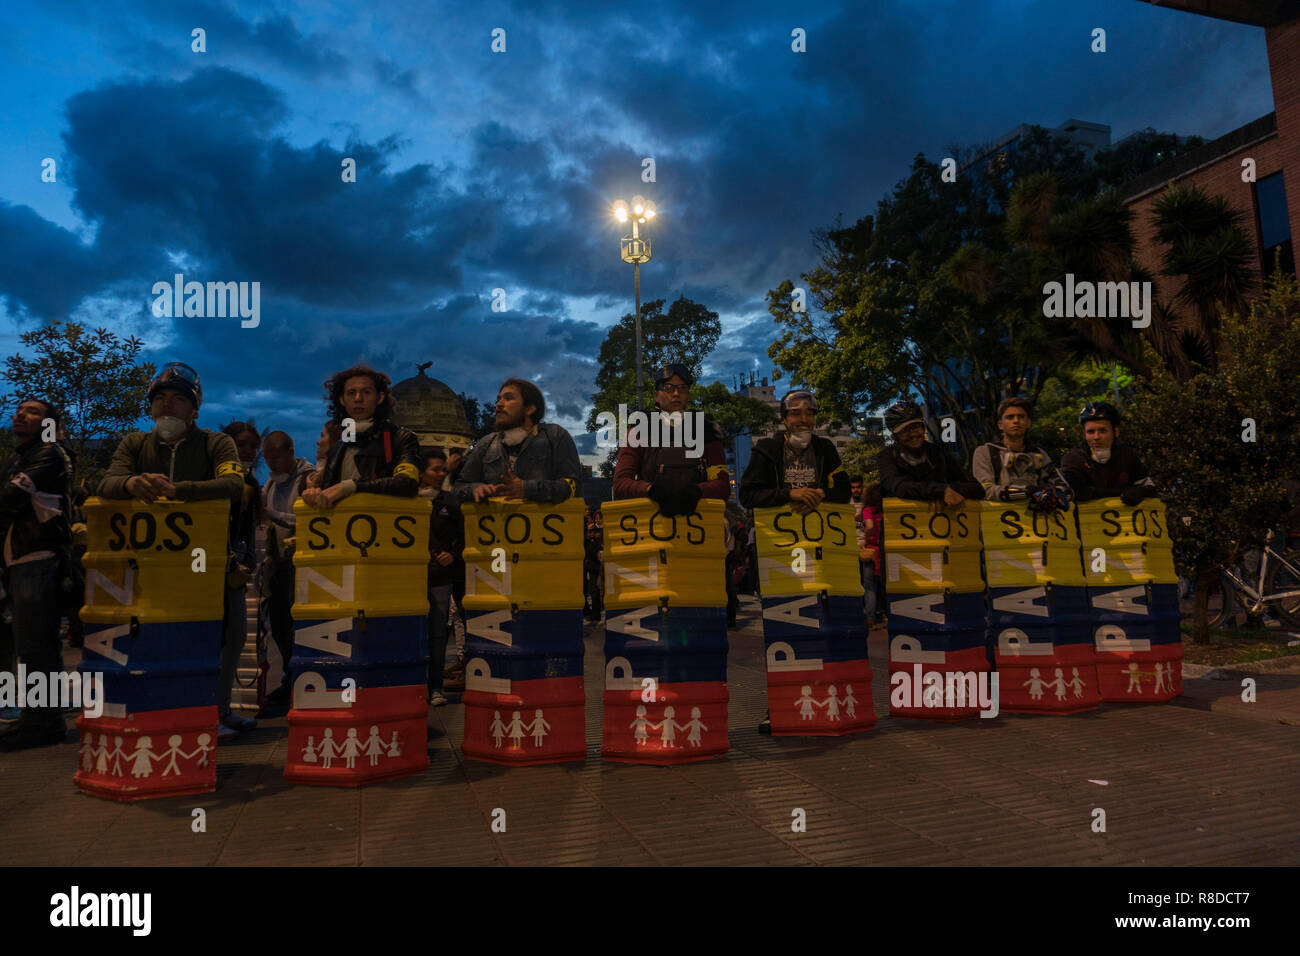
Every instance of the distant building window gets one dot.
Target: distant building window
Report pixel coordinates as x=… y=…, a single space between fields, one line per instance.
x=1274 y=224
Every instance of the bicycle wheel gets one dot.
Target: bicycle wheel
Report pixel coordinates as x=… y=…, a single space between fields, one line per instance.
x=1281 y=578
x=1221 y=607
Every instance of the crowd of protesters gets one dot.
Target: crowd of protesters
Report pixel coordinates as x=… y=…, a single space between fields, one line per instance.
x=362 y=449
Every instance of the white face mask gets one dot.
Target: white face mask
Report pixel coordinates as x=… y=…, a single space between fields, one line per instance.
x=514 y=436
x=169 y=428
x=1101 y=455
x=799 y=440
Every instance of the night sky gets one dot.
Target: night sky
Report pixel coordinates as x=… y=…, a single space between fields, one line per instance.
x=479 y=170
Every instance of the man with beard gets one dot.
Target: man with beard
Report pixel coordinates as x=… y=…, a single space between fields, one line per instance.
x=795 y=468
x=525 y=457
x=1104 y=466
x=198 y=465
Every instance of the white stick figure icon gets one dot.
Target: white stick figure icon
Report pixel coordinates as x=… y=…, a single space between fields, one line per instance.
x=1059 y=684
x=309 y=751
x=832 y=703
x=850 y=702
x=516 y=731
x=142 y=758
x=174 y=748
x=101 y=754
x=497 y=729
x=201 y=751
x=538 y=728
x=1160 y=678
x=806 y=702
x=328 y=748
x=1076 y=682
x=87 y=752
x=1035 y=684
x=374 y=747
x=696 y=726
x=351 y=748
x=117 y=754
x=394 y=746
x=1134 y=679
x=640 y=724
x=670 y=726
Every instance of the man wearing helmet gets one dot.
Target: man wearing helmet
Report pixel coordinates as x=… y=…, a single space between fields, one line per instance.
x=914 y=467
x=665 y=473
x=1103 y=466
x=795 y=468
x=1013 y=470
x=179 y=460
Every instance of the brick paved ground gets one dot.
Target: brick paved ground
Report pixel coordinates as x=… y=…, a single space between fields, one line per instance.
x=1183 y=785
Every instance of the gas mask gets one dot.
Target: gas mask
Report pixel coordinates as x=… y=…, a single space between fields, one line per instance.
x=169 y=428
x=799 y=440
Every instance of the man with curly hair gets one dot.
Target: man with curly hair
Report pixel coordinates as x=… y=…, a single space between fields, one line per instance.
x=375 y=455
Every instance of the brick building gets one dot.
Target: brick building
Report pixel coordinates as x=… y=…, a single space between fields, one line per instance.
x=1270 y=204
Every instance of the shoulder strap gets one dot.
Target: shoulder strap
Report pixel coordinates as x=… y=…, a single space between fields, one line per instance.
x=995 y=460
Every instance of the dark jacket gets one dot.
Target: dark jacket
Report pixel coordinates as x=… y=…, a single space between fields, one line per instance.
x=387 y=459
x=638 y=467
x=763 y=483
x=50 y=471
x=446 y=533
x=926 y=481
x=202 y=466
x=547 y=463
x=1090 y=479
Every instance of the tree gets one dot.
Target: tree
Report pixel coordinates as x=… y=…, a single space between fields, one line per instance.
x=1221 y=442
x=93 y=377
x=481 y=415
x=731 y=412
x=859 y=457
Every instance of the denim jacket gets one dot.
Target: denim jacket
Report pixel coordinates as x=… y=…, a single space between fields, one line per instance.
x=548 y=465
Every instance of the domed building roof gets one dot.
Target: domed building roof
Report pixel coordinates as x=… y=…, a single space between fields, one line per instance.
x=431 y=409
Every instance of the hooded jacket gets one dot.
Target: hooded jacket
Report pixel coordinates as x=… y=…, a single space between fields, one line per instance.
x=763 y=483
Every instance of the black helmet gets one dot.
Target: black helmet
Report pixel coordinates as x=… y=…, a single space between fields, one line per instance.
x=674 y=368
x=1099 y=411
x=901 y=414
x=182 y=378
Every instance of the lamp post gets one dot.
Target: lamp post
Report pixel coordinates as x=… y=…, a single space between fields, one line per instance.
x=636 y=250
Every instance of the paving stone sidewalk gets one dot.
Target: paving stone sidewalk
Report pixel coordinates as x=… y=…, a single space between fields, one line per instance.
x=1180 y=785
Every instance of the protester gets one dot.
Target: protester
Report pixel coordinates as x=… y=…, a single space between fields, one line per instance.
x=870 y=533
x=446 y=565
x=525 y=458
x=373 y=455
x=916 y=468
x=288 y=480
x=35 y=507
x=665 y=471
x=795 y=468
x=455 y=462
x=199 y=465
x=1012 y=470
x=1104 y=466
x=593 y=574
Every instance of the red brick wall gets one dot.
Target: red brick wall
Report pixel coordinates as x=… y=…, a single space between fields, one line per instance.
x=1223 y=178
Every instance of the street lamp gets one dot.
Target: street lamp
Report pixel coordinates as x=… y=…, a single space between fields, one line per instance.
x=636 y=250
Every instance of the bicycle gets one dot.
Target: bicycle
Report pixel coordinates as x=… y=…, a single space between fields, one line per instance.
x=1276 y=587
